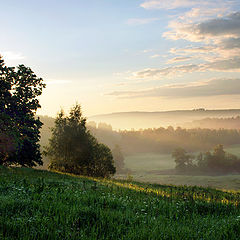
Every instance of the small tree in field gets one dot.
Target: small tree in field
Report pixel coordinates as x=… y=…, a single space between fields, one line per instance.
x=182 y=159
x=73 y=149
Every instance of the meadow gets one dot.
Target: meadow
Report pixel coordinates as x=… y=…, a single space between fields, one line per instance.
x=39 y=204
x=147 y=162
x=159 y=168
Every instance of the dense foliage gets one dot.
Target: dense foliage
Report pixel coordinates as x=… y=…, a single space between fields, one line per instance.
x=43 y=205
x=218 y=161
x=73 y=149
x=19 y=128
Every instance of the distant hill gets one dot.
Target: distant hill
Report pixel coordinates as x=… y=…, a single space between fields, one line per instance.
x=215 y=123
x=137 y=120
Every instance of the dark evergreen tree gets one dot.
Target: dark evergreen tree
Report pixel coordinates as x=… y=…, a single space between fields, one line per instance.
x=73 y=149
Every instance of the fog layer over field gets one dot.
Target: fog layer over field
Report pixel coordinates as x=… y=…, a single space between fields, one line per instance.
x=148 y=153
x=137 y=120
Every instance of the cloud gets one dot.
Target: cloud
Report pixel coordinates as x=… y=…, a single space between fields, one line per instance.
x=201 y=13
x=179 y=59
x=9 y=55
x=215 y=87
x=197 y=7
x=232 y=64
x=226 y=65
x=170 y=4
x=219 y=37
x=192 y=50
x=211 y=26
x=227 y=48
x=154 y=73
x=155 y=56
x=141 y=21
x=230 y=43
x=147 y=50
x=224 y=27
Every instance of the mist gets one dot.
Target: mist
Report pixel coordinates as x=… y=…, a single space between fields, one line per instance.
x=148 y=152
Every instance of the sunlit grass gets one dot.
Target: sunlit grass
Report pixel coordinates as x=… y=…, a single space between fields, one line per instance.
x=45 y=205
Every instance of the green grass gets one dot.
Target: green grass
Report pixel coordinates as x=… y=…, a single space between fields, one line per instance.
x=43 y=205
x=228 y=182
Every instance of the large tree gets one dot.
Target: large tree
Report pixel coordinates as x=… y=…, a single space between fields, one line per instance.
x=19 y=89
x=73 y=149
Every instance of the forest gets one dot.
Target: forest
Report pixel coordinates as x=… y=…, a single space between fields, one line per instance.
x=164 y=140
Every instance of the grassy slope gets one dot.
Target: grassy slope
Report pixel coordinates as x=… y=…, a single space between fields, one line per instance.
x=228 y=182
x=44 y=205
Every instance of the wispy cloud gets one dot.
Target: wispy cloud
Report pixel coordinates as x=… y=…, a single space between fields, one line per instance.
x=140 y=21
x=155 y=56
x=215 y=87
x=178 y=59
x=170 y=4
x=147 y=50
x=10 y=55
x=158 y=74
x=204 y=13
x=225 y=65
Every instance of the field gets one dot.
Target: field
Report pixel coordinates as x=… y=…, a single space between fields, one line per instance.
x=149 y=162
x=153 y=168
x=228 y=182
x=43 y=205
x=153 y=161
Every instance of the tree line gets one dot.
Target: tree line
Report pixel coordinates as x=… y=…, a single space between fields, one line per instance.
x=164 y=140
x=216 y=161
x=215 y=123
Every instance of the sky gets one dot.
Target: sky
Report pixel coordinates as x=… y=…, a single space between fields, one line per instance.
x=127 y=55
